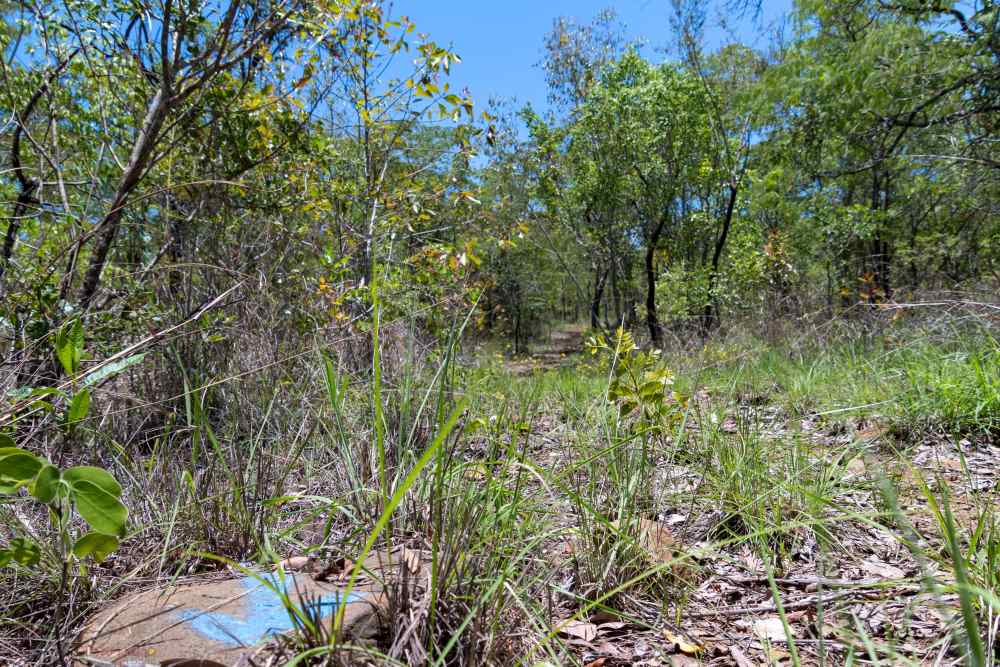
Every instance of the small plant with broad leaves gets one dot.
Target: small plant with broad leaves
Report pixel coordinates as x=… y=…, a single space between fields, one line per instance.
x=640 y=383
x=90 y=492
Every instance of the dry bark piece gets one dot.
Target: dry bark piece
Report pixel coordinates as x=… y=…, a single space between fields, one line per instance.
x=578 y=629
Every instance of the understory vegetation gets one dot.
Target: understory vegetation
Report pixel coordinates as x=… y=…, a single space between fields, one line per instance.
x=698 y=364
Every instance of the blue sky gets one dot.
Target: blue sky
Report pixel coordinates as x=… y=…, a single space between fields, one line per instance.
x=500 y=43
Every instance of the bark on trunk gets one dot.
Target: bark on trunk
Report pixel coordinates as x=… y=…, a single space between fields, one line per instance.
x=142 y=150
x=710 y=318
x=652 y=320
x=600 y=278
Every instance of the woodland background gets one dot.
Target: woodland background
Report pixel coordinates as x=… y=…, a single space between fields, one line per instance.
x=272 y=231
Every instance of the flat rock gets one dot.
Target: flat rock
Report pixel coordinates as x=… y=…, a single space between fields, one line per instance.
x=225 y=621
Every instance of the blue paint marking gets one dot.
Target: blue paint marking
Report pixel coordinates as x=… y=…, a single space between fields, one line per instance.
x=265 y=615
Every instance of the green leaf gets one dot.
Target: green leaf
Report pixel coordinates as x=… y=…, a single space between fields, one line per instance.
x=25 y=552
x=46 y=484
x=5 y=556
x=69 y=346
x=97 y=545
x=19 y=394
x=96 y=495
x=102 y=510
x=18 y=467
x=6 y=442
x=78 y=407
x=22 y=393
x=112 y=369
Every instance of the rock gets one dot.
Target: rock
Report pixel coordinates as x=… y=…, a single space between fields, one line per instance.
x=225 y=621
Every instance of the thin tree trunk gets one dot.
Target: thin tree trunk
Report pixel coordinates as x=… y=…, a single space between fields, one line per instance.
x=142 y=150
x=652 y=320
x=27 y=186
x=600 y=278
x=616 y=296
x=710 y=318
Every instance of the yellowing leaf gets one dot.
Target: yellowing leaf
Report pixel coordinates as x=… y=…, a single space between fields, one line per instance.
x=682 y=643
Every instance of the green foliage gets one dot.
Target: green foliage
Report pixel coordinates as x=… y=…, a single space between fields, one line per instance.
x=69 y=346
x=92 y=492
x=639 y=382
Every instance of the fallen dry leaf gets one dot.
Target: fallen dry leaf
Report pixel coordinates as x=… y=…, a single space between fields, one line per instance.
x=335 y=570
x=739 y=657
x=604 y=616
x=682 y=644
x=597 y=663
x=770 y=629
x=579 y=629
x=296 y=564
x=683 y=661
x=857 y=466
x=614 y=626
x=796 y=616
x=881 y=569
x=775 y=655
x=868 y=433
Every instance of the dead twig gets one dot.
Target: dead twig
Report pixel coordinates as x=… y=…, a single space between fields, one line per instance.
x=811 y=601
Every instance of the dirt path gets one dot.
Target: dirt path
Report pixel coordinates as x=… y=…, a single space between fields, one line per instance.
x=563 y=344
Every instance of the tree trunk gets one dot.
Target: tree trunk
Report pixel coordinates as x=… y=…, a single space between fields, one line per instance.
x=616 y=295
x=142 y=150
x=27 y=185
x=600 y=278
x=710 y=318
x=652 y=320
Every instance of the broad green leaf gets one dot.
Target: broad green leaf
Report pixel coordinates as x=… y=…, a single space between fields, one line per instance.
x=18 y=467
x=112 y=369
x=46 y=484
x=25 y=552
x=96 y=476
x=6 y=442
x=96 y=494
x=69 y=346
x=5 y=556
x=97 y=545
x=78 y=407
x=103 y=511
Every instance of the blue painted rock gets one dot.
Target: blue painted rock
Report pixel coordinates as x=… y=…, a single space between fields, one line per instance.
x=224 y=621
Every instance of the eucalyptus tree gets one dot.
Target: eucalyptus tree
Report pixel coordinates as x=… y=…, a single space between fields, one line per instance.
x=646 y=134
x=577 y=197
x=728 y=79
x=850 y=73
x=107 y=101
